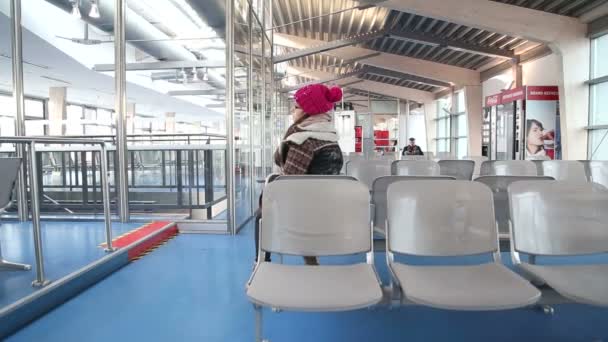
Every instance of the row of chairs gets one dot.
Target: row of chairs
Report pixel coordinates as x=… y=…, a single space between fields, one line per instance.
x=331 y=217
x=585 y=171
x=367 y=171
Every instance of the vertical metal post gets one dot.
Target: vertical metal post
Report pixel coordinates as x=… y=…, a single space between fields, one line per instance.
x=399 y=126
x=120 y=107
x=230 y=165
x=272 y=95
x=17 y=53
x=105 y=191
x=35 y=200
x=250 y=109
x=264 y=93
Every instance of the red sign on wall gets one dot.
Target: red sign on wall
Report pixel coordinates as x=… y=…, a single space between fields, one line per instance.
x=513 y=95
x=543 y=93
x=493 y=100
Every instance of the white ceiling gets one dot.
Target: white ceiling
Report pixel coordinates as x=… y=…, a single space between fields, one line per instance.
x=54 y=62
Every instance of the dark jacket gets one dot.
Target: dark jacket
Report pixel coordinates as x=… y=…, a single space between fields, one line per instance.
x=410 y=150
x=313 y=156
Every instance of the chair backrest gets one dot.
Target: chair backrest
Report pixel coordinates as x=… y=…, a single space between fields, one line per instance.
x=499 y=186
x=441 y=218
x=387 y=156
x=478 y=161
x=443 y=155
x=508 y=168
x=460 y=169
x=316 y=217
x=415 y=168
x=406 y=157
x=565 y=170
x=539 y=166
x=366 y=171
x=379 y=198
x=312 y=177
x=598 y=171
x=9 y=168
x=559 y=217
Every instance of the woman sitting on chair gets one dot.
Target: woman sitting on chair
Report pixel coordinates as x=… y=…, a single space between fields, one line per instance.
x=310 y=145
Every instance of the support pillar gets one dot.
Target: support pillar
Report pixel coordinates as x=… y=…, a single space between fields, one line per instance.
x=170 y=123
x=57 y=110
x=17 y=53
x=131 y=117
x=574 y=95
x=473 y=99
x=230 y=161
x=430 y=112
x=120 y=107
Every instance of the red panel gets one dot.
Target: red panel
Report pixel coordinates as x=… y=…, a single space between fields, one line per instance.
x=543 y=93
x=493 y=100
x=513 y=95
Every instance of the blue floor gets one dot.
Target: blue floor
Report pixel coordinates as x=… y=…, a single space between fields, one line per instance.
x=193 y=289
x=67 y=247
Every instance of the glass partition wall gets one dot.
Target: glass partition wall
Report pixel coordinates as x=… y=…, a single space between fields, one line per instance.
x=183 y=95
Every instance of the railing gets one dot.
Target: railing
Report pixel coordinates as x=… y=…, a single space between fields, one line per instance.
x=35 y=190
x=160 y=176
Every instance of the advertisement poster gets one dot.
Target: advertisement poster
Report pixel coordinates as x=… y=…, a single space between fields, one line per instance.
x=541 y=125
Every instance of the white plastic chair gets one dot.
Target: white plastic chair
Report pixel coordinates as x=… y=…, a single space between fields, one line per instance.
x=523 y=168
x=460 y=169
x=450 y=219
x=379 y=199
x=315 y=218
x=427 y=168
x=478 y=161
x=499 y=186
x=565 y=170
x=562 y=219
x=598 y=172
x=9 y=168
x=366 y=171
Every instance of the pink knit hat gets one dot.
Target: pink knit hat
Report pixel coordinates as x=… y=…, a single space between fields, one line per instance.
x=317 y=98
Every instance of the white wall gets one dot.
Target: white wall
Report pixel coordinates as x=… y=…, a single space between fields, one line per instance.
x=496 y=84
x=543 y=71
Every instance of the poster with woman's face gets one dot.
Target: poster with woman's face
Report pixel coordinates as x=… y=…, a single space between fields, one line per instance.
x=540 y=129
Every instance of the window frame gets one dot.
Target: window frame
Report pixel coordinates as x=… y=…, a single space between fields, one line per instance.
x=591 y=83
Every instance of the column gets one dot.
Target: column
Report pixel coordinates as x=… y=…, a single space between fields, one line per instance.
x=120 y=107
x=17 y=53
x=170 y=123
x=574 y=95
x=131 y=117
x=430 y=109
x=57 y=110
x=473 y=98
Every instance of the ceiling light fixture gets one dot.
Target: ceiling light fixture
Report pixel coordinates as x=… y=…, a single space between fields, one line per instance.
x=94 y=13
x=76 y=10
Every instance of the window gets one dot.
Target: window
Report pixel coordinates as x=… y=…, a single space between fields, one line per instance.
x=598 y=96
x=443 y=119
x=452 y=126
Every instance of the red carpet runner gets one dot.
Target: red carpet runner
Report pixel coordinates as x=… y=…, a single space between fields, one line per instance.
x=150 y=241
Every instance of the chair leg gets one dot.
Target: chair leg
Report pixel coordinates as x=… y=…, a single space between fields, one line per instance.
x=7 y=265
x=259 y=324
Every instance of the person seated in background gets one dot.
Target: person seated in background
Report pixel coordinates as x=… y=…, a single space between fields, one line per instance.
x=310 y=145
x=412 y=149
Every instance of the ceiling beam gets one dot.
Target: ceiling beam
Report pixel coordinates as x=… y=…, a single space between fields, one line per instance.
x=329 y=78
x=404 y=76
x=376 y=87
x=162 y=65
x=457 y=45
x=493 y=16
x=529 y=56
x=328 y=46
x=409 y=65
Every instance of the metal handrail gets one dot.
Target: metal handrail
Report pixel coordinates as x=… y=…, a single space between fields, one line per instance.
x=34 y=191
